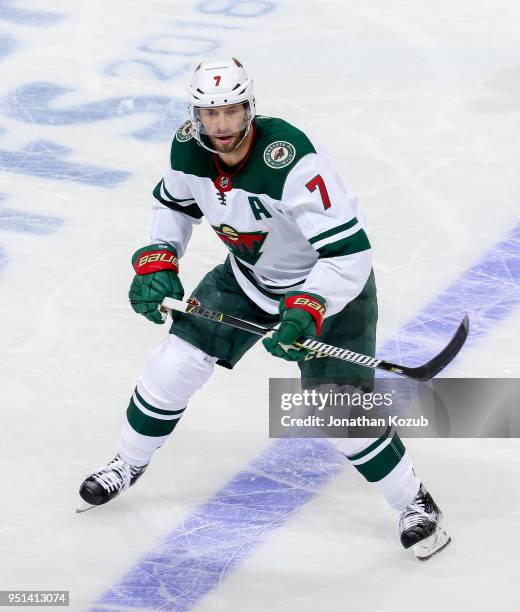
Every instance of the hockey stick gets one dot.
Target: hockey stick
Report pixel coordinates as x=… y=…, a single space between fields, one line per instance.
x=423 y=372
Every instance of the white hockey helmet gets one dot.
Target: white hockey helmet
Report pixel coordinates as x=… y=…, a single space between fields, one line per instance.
x=215 y=84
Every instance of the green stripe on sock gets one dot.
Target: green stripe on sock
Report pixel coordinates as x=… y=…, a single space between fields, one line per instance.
x=147 y=425
x=372 y=447
x=154 y=409
x=383 y=463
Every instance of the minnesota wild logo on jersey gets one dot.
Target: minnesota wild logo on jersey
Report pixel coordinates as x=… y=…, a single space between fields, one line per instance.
x=184 y=134
x=244 y=245
x=279 y=154
x=301 y=221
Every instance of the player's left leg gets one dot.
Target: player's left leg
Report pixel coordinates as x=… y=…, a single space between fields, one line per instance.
x=382 y=460
x=387 y=465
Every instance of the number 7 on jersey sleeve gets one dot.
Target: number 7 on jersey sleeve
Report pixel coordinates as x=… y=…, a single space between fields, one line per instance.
x=318 y=182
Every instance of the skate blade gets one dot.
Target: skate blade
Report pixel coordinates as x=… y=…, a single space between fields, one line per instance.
x=427 y=548
x=83 y=507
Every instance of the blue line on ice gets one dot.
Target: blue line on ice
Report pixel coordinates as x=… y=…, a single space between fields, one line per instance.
x=488 y=292
x=198 y=554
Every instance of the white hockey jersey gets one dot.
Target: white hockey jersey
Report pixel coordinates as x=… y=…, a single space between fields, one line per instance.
x=287 y=218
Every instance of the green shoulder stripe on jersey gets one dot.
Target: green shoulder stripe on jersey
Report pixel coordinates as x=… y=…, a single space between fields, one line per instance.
x=170 y=197
x=334 y=230
x=273 y=137
x=192 y=210
x=347 y=246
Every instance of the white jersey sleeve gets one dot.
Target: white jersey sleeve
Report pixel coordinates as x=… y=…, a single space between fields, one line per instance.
x=327 y=213
x=174 y=212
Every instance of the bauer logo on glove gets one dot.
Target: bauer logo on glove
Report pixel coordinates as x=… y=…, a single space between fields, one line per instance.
x=165 y=258
x=302 y=316
x=156 y=268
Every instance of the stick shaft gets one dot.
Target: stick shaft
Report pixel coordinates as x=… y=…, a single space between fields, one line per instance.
x=424 y=372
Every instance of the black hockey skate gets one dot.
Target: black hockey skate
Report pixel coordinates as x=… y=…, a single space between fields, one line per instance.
x=108 y=482
x=419 y=526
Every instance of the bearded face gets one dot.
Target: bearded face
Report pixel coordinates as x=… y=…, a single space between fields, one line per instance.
x=224 y=125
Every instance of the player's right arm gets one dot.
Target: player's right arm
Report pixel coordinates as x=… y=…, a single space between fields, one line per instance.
x=174 y=212
x=157 y=265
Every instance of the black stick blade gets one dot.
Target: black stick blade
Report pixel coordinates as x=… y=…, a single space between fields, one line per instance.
x=439 y=362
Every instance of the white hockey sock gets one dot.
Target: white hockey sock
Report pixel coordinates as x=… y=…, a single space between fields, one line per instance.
x=385 y=463
x=136 y=448
x=401 y=485
x=173 y=372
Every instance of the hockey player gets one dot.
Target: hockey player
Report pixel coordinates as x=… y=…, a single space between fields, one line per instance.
x=298 y=254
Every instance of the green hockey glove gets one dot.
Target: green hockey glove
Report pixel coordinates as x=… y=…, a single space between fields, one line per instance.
x=156 y=268
x=302 y=315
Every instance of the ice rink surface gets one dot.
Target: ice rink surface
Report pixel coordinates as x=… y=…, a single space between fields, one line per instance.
x=420 y=105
